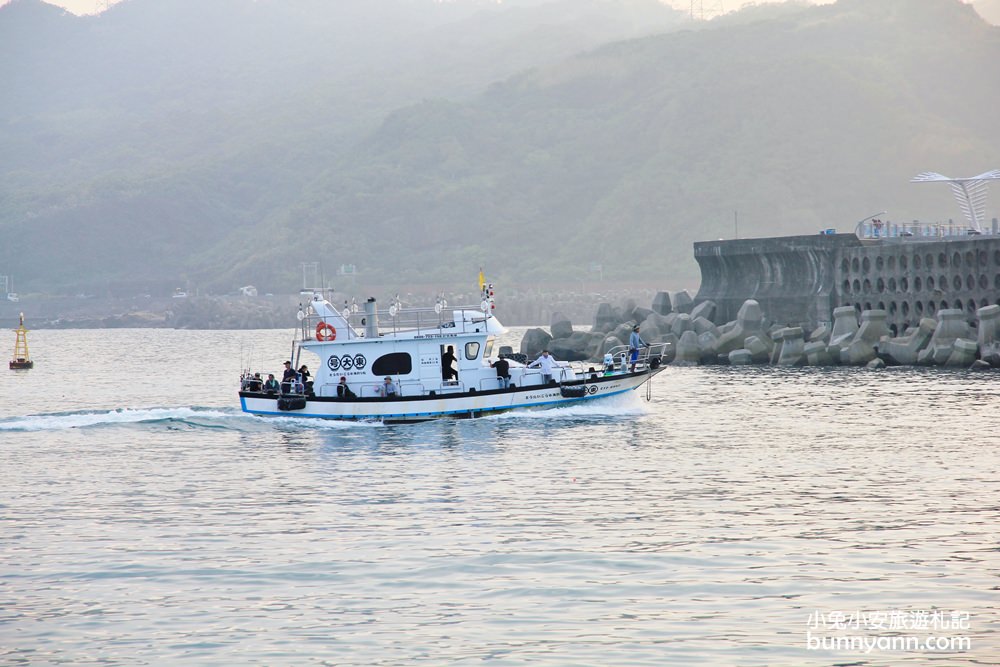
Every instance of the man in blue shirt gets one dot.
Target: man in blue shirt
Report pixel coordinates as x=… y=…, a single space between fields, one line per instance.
x=388 y=388
x=634 y=343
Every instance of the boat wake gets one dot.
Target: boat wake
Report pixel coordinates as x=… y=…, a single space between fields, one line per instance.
x=174 y=418
x=624 y=405
x=59 y=421
x=183 y=418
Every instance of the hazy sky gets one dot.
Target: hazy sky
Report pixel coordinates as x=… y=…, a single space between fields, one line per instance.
x=988 y=9
x=708 y=6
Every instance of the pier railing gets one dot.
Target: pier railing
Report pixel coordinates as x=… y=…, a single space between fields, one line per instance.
x=621 y=354
x=915 y=231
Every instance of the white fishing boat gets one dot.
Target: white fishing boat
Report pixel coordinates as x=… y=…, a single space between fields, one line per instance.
x=410 y=351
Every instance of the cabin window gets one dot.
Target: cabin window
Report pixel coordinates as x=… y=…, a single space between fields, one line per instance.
x=472 y=350
x=489 y=347
x=396 y=363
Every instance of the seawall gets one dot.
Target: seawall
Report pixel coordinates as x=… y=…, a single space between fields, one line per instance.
x=799 y=280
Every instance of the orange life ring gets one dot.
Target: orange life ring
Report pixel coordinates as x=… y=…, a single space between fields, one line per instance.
x=325 y=331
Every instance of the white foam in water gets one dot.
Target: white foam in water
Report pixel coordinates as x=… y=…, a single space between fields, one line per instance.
x=614 y=406
x=316 y=423
x=59 y=422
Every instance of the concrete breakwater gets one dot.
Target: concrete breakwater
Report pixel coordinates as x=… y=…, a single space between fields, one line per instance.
x=691 y=336
x=800 y=280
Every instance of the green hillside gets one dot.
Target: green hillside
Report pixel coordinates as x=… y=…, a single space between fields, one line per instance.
x=219 y=144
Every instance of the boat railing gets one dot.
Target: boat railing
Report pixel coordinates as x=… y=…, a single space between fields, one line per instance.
x=532 y=376
x=490 y=383
x=649 y=357
x=416 y=320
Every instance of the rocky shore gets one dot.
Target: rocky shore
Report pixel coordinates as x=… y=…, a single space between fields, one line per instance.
x=692 y=337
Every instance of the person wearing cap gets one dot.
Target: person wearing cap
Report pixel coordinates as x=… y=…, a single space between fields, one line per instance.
x=388 y=388
x=634 y=343
x=288 y=379
x=343 y=391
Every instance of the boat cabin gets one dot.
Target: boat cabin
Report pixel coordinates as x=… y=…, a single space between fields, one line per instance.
x=426 y=351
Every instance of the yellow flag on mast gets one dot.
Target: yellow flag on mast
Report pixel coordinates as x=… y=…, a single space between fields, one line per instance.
x=482 y=279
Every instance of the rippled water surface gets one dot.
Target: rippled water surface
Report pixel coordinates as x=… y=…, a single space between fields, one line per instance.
x=145 y=520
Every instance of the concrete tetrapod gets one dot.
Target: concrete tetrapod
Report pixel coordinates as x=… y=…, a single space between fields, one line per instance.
x=740 y=358
x=792 y=346
x=749 y=322
x=963 y=353
x=872 y=327
x=681 y=324
x=688 y=351
x=704 y=309
x=858 y=353
x=816 y=354
x=903 y=350
x=988 y=334
x=950 y=327
x=682 y=302
x=661 y=303
x=759 y=348
x=706 y=343
x=861 y=349
x=845 y=325
x=560 y=326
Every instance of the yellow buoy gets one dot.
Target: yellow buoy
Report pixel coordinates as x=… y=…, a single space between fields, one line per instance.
x=21 y=357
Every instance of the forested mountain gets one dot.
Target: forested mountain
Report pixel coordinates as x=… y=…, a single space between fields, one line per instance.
x=220 y=143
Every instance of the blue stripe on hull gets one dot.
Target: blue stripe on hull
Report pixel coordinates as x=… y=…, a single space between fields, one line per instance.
x=432 y=415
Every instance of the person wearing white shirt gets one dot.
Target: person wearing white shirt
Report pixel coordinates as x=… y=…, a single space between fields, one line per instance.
x=546 y=362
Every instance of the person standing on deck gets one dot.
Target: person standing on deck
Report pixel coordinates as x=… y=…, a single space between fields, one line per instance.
x=503 y=372
x=634 y=343
x=448 y=360
x=546 y=363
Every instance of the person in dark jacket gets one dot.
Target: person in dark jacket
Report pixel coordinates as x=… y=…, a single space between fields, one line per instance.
x=288 y=379
x=503 y=372
x=304 y=376
x=448 y=360
x=343 y=391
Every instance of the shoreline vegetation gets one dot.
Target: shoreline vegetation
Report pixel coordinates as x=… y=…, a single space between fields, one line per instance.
x=527 y=308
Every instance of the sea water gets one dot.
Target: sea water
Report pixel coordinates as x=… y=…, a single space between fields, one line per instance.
x=740 y=516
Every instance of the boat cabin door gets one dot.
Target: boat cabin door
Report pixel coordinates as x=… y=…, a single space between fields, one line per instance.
x=430 y=364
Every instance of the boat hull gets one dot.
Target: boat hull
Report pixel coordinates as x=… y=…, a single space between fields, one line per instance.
x=456 y=406
x=21 y=365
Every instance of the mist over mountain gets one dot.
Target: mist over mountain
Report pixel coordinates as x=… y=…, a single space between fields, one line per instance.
x=218 y=144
